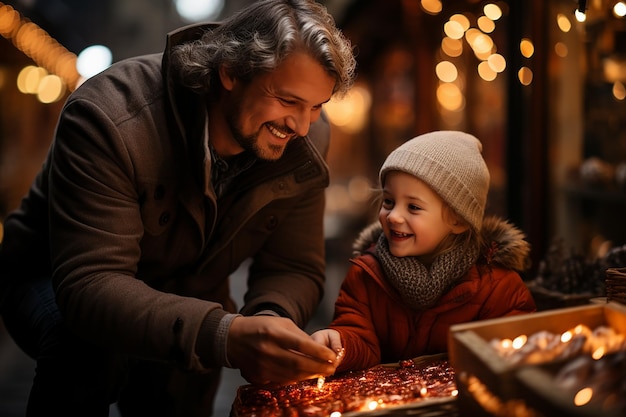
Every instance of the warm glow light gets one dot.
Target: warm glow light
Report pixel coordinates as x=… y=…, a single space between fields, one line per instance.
x=506 y=343
x=525 y=76
x=350 y=112
x=462 y=20
x=482 y=44
x=471 y=35
x=432 y=6
x=598 y=353
x=583 y=396
x=614 y=69
x=563 y=22
x=492 y=11
x=424 y=391
x=335 y=414
x=450 y=97
x=619 y=10
x=485 y=72
x=452 y=47
x=453 y=29
x=29 y=78
x=51 y=89
x=527 y=48
x=446 y=71
x=580 y=16
x=372 y=405
x=38 y=45
x=566 y=336
x=496 y=62
x=619 y=91
x=519 y=341
x=485 y=24
x=561 y=49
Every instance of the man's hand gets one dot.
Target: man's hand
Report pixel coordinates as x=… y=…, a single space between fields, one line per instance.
x=274 y=350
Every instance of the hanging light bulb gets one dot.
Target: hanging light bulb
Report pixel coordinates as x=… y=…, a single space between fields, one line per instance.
x=580 y=11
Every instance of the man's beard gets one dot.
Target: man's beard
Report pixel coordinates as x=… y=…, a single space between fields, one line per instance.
x=250 y=143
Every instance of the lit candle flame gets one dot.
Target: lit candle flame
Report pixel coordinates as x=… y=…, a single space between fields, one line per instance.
x=519 y=341
x=506 y=343
x=566 y=337
x=598 y=353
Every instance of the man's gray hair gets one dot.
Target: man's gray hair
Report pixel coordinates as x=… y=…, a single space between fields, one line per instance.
x=259 y=37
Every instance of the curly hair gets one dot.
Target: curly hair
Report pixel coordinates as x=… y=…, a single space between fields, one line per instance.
x=258 y=38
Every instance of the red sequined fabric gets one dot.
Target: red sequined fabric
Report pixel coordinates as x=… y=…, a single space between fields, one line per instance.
x=374 y=388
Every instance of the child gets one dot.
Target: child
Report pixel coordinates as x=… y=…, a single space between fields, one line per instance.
x=431 y=260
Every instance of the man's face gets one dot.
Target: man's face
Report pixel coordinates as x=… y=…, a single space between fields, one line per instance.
x=264 y=114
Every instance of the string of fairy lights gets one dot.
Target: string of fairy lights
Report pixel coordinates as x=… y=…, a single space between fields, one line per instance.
x=55 y=66
x=56 y=69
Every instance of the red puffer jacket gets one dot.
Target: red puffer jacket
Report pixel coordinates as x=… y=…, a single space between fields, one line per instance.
x=376 y=327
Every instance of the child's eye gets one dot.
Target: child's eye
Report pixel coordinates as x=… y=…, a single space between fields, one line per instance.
x=413 y=207
x=387 y=203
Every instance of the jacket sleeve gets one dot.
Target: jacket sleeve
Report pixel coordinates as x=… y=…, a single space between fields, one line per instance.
x=353 y=320
x=509 y=296
x=287 y=272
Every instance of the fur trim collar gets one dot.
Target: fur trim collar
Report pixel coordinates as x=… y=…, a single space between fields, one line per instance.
x=503 y=243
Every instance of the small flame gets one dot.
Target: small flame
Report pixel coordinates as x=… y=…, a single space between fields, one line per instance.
x=519 y=341
x=567 y=336
x=598 y=353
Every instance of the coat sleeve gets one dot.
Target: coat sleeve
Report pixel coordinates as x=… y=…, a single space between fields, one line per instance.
x=353 y=320
x=509 y=296
x=287 y=272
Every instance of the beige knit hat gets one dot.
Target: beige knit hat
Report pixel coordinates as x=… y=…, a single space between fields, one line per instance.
x=451 y=163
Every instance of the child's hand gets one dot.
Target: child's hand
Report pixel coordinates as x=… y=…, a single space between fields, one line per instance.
x=330 y=338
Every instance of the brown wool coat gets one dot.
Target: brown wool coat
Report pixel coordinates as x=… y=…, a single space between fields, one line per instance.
x=376 y=327
x=137 y=246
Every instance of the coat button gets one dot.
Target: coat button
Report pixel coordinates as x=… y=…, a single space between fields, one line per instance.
x=164 y=218
x=159 y=192
x=272 y=222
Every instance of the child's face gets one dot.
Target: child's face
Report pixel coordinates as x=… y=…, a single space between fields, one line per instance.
x=412 y=216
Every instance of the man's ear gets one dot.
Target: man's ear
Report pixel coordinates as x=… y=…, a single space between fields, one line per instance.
x=228 y=81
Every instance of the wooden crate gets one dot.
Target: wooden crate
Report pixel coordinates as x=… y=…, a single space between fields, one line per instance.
x=488 y=384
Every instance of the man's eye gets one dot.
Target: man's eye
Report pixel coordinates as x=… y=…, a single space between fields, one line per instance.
x=287 y=102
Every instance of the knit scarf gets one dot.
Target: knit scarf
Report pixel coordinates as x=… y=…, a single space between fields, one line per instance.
x=419 y=287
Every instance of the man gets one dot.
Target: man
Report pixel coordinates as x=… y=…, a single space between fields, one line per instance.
x=167 y=172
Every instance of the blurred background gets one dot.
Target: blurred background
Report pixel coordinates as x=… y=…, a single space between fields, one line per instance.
x=540 y=82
